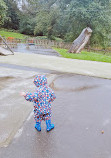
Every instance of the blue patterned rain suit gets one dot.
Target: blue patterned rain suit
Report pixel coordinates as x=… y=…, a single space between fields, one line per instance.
x=42 y=99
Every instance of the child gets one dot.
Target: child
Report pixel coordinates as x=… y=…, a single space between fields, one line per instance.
x=42 y=99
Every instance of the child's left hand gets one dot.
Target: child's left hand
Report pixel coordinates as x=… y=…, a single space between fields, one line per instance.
x=22 y=93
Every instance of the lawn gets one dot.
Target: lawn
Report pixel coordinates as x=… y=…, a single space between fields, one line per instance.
x=6 y=34
x=84 y=55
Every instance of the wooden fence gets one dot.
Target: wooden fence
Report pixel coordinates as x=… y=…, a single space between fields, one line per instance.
x=45 y=43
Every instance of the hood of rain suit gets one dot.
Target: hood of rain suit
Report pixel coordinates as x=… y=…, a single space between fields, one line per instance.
x=40 y=80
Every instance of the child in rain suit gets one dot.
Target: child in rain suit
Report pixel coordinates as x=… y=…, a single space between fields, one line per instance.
x=42 y=99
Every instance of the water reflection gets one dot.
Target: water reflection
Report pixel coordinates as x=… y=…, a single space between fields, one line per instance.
x=24 y=48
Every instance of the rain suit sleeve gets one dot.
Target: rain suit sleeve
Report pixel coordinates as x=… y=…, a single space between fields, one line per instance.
x=31 y=97
x=53 y=96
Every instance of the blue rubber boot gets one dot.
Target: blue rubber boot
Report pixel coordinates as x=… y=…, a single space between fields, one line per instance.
x=38 y=126
x=49 y=126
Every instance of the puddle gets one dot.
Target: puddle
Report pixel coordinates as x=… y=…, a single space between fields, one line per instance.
x=23 y=48
x=73 y=83
x=5 y=80
x=72 y=89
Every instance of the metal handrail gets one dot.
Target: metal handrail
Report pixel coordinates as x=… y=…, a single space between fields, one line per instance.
x=6 y=44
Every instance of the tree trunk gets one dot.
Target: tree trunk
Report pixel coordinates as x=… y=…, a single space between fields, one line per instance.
x=80 y=42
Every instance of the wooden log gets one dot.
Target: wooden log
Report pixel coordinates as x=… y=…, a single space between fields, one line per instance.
x=80 y=42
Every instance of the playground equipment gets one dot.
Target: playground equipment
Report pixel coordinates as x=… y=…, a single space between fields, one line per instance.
x=4 y=51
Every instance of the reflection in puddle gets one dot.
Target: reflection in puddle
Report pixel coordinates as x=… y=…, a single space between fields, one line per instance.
x=82 y=88
x=5 y=80
x=23 y=48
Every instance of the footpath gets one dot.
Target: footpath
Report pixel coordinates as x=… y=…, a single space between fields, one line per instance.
x=60 y=64
x=81 y=112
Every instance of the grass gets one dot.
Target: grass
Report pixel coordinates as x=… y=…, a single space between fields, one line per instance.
x=7 y=33
x=45 y=37
x=11 y=33
x=58 y=39
x=84 y=55
x=41 y=37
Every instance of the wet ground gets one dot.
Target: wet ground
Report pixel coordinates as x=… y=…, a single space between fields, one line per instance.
x=81 y=114
x=13 y=111
x=24 y=48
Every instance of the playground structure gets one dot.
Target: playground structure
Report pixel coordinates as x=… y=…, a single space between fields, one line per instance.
x=4 y=47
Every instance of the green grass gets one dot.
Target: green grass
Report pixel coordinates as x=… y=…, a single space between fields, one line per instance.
x=7 y=33
x=45 y=37
x=41 y=37
x=58 y=39
x=84 y=55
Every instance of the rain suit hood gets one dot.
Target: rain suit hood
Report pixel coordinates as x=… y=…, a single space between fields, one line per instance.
x=40 y=80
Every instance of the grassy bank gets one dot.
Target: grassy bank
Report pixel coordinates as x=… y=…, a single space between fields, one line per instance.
x=10 y=33
x=84 y=55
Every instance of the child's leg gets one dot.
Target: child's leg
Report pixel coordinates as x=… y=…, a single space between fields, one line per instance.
x=38 y=123
x=49 y=126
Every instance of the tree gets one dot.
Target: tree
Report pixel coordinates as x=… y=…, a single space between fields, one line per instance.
x=3 y=11
x=30 y=7
x=46 y=21
x=65 y=19
x=27 y=24
x=94 y=14
x=12 y=21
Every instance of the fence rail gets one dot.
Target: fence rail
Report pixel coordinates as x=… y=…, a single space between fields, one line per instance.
x=37 y=42
x=45 y=43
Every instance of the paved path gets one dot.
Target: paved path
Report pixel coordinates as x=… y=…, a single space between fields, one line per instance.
x=91 y=68
x=81 y=112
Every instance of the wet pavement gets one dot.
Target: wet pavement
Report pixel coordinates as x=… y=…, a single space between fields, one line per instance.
x=27 y=68
x=24 y=48
x=13 y=111
x=81 y=114
x=58 y=64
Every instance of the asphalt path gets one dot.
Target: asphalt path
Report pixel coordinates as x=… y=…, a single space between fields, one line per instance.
x=59 y=64
x=81 y=114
